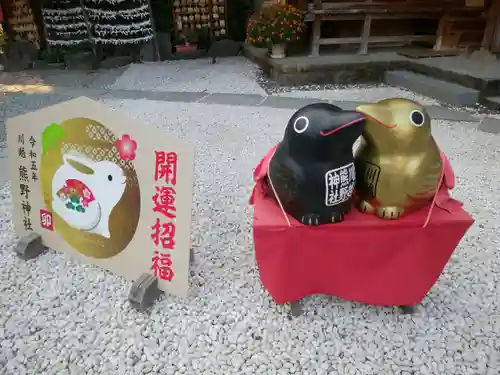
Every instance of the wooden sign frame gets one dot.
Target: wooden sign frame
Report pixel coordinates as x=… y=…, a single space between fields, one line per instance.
x=103 y=189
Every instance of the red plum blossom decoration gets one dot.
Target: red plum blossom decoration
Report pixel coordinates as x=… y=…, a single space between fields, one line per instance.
x=126 y=147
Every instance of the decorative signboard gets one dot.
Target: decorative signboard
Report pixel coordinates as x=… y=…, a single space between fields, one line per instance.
x=19 y=14
x=196 y=14
x=104 y=189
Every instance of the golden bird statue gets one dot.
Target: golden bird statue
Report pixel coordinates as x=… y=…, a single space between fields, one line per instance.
x=398 y=163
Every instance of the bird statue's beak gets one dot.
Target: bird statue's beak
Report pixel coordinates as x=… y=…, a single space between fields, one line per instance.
x=379 y=113
x=348 y=118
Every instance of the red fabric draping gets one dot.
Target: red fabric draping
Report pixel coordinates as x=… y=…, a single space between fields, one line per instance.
x=364 y=258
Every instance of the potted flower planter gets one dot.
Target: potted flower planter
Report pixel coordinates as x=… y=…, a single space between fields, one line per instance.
x=276 y=27
x=278 y=51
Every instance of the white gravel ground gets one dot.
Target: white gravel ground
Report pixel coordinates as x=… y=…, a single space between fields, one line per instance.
x=234 y=75
x=357 y=94
x=60 y=317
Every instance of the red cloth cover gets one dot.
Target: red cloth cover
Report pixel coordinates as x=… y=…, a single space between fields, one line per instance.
x=364 y=258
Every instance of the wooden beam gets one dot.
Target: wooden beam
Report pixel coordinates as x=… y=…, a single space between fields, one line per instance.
x=491 y=25
x=390 y=10
x=347 y=40
x=495 y=44
x=441 y=32
x=363 y=48
x=379 y=39
x=359 y=17
x=315 y=37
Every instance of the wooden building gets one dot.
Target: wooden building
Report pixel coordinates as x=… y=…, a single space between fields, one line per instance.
x=22 y=19
x=440 y=26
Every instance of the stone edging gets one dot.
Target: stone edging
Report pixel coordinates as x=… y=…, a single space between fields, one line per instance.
x=483 y=123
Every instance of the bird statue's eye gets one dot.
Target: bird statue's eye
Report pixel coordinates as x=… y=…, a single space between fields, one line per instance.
x=417 y=118
x=300 y=125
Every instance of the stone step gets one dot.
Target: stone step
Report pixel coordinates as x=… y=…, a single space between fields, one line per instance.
x=492 y=102
x=443 y=91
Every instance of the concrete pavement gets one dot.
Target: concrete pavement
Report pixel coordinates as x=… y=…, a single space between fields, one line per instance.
x=27 y=91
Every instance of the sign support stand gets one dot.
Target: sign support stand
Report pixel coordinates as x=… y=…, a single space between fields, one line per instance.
x=144 y=292
x=30 y=246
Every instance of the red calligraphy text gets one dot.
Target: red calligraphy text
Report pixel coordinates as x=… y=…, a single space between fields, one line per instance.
x=162 y=266
x=164 y=234
x=166 y=167
x=164 y=201
x=46 y=220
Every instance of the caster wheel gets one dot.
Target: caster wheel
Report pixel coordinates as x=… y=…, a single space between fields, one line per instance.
x=406 y=310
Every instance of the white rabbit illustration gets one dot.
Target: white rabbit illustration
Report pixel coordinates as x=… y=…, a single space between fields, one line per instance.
x=103 y=187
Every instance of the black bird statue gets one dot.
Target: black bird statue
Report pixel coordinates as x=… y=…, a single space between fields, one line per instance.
x=312 y=173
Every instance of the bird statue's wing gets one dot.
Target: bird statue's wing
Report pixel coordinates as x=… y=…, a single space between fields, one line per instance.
x=285 y=181
x=425 y=184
